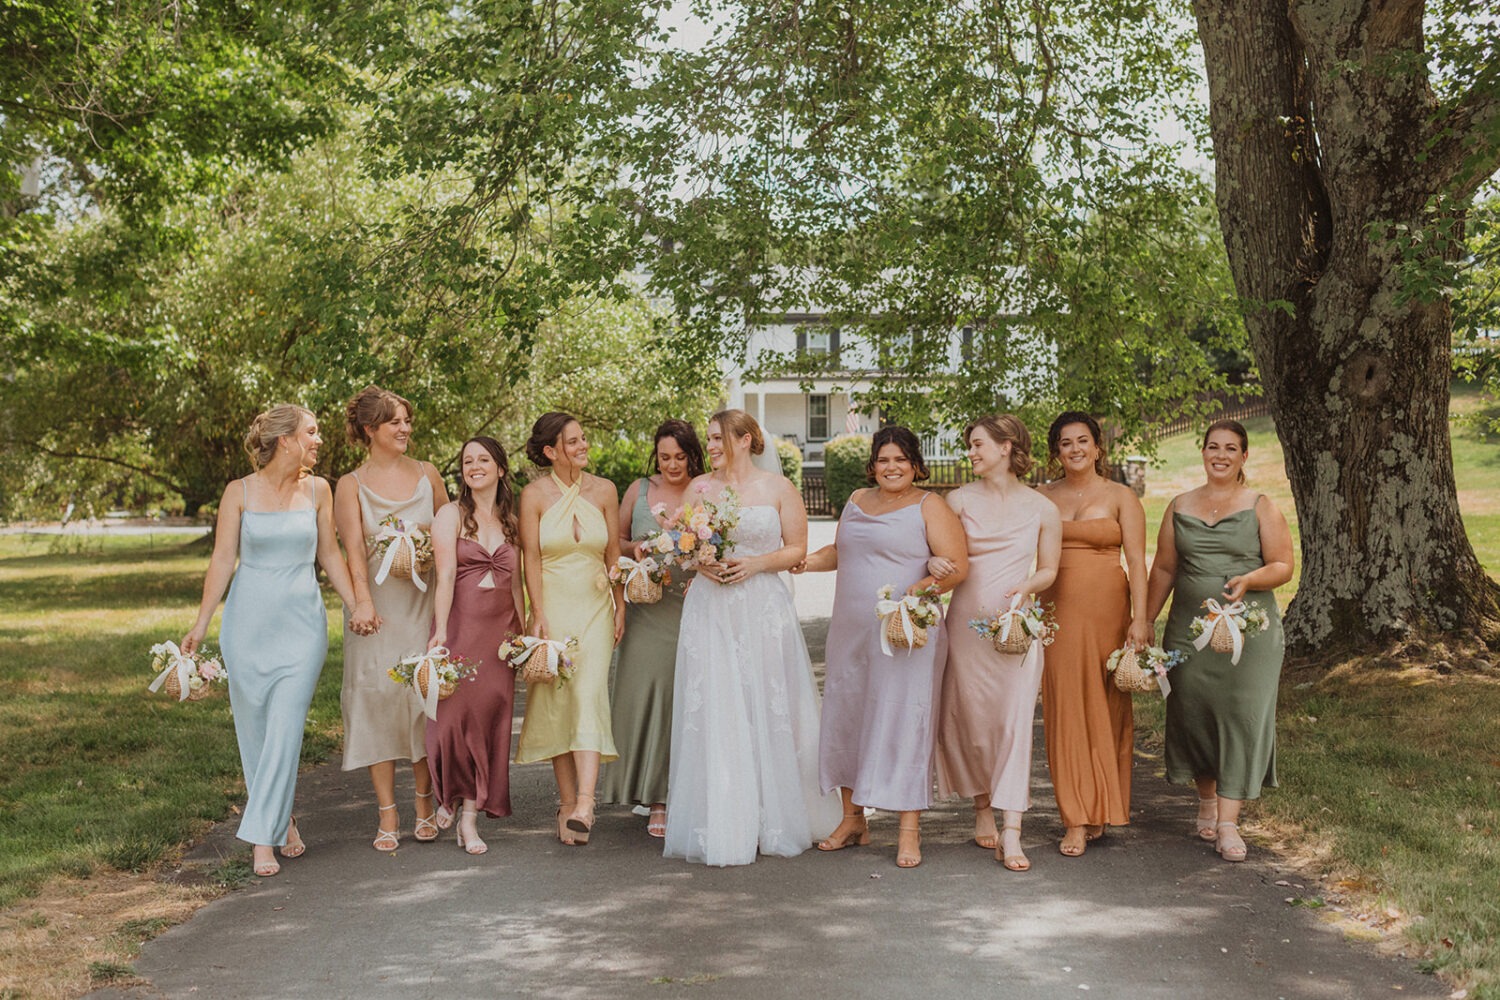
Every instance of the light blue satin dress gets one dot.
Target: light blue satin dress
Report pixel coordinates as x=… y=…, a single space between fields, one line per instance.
x=274 y=638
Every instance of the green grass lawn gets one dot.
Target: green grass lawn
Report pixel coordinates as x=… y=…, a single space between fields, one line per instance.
x=98 y=771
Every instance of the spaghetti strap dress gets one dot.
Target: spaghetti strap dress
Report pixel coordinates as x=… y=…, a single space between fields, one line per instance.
x=382 y=720
x=468 y=745
x=989 y=698
x=274 y=637
x=1088 y=722
x=1221 y=716
x=641 y=712
x=879 y=711
x=578 y=603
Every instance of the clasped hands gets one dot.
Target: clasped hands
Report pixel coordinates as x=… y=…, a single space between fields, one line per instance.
x=363 y=620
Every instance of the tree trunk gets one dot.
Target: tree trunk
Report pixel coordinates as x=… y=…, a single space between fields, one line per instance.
x=1322 y=123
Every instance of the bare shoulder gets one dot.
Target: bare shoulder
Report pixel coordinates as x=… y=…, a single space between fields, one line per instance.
x=448 y=515
x=321 y=490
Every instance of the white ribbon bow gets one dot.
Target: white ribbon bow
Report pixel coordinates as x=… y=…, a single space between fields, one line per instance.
x=1009 y=618
x=434 y=656
x=1236 y=639
x=633 y=570
x=397 y=537
x=904 y=607
x=179 y=662
x=553 y=648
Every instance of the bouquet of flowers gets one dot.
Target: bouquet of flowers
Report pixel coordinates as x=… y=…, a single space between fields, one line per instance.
x=1015 y=629
x=642 y=578
x=404 y=549
x=434 y=675
x=1142 y=671
x=184 y=676
x=540 y=661
x=1225 y=628
x=697 y=533
x=904 y=620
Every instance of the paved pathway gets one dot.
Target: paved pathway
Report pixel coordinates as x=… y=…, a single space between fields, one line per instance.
x=1149 y=912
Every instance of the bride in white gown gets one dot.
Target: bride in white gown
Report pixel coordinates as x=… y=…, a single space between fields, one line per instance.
x=744 y=772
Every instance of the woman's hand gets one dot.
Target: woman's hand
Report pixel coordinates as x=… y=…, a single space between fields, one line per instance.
x=439 y=638
x=192 y=640
x=1235 y=587
x=619 y=621
x=1141 y=634
x=739 y=570
x=539 y=627
x=938 y=567
x=800 y=568
x=363 y=620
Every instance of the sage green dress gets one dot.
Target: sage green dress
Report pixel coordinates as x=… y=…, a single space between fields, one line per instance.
x=1221 y=716
x=644 y=673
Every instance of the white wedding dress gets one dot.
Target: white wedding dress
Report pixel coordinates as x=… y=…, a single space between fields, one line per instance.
x=744 y=765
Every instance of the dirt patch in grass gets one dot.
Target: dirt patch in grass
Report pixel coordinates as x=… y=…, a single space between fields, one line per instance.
x=77 y=935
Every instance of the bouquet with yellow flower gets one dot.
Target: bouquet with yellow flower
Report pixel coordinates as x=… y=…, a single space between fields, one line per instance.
x=904 y=620
x=540 y=661
x=434 y=675
x=1015 y=629
x=184 y=676
x=697 y=533
x=404 y=549
x=643 y=578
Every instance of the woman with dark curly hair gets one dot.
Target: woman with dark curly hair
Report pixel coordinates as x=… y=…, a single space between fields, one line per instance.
x=478 y=605
x=644 y=674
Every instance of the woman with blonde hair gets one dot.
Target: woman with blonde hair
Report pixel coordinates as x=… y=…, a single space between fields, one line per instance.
x=383 y=722
x=274 y=522
x=985 y=722
x=744 y=775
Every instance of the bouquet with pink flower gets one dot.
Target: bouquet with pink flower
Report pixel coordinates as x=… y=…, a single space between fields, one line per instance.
x=699 y=532
x=184 y=676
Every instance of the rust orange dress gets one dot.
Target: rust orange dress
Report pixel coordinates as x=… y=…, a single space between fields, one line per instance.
x=1087 y=720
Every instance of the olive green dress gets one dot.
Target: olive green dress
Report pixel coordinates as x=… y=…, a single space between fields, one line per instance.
x=644 y=672
x=1221 y=717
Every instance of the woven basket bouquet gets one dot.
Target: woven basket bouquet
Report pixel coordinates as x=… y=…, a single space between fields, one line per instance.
x=433 y=675
x=904 y=620
x=404 y=549
x=540 y=661
x=1225 y=628
x=643 y=578
x=1013 y=630
x=1142 y=670
x=185 y=676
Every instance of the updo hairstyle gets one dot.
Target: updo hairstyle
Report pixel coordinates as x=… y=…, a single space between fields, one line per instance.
x=371 y=407
x=1054 y=439
x=1005 y=427
x=544 y=434
x=904 y=439
x=738 y=423
x=270 y=427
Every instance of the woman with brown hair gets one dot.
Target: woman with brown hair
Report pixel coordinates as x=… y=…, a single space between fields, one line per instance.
x=569 y=542
x=383 y=722
x=989 y=697
x=1222 y=542
x=478 y=605
x=1088 y=722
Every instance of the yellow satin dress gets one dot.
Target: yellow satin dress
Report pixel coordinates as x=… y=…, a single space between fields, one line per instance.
x=578 y=603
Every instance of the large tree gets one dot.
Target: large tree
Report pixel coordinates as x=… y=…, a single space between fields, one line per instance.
x=1349 y=137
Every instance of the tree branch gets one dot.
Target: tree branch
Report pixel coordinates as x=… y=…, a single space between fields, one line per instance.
x=1458 y=163
x=153 y=476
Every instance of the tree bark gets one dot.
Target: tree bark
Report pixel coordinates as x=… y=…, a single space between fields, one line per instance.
x=1323 y=123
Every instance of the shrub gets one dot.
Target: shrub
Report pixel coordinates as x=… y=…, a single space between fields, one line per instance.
x=844 y=461
x=620 y=460
x=791 y=460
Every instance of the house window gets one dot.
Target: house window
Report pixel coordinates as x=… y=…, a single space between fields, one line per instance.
x=818 y=342
x=817 y=418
